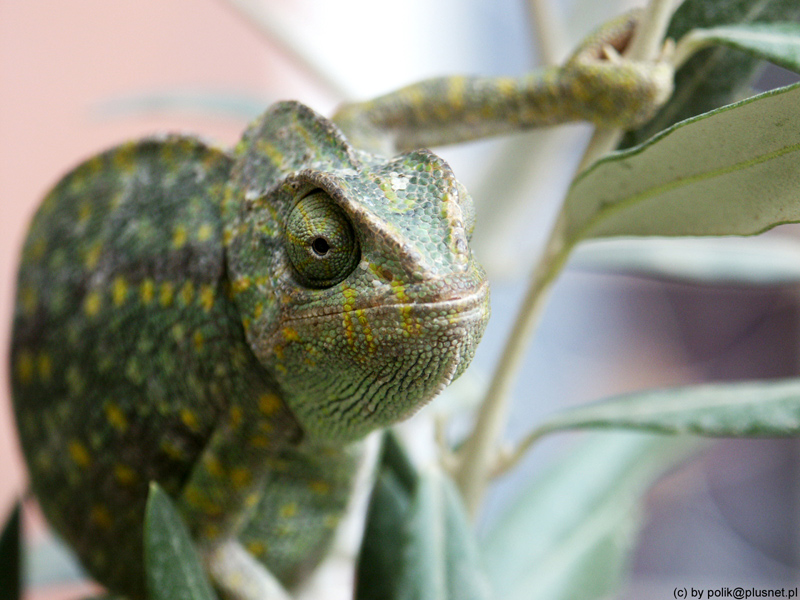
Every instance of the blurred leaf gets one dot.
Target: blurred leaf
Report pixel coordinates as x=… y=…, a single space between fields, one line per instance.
x=721 y=261
x=379 y=570
x=171 y=561
x=716 y=76
x=569 y=535
x=778 y=43
x=747 y=409
x=417 y=542
x=441 y=559
x=217 y=104
x=10 y=568
x=729 y=172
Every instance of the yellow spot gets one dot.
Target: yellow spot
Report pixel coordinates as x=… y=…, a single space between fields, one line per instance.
x=319 y=487
x=147 y=291
x=288 y=510
x=252 y=499
x=29 y=299
x=259 y=441
x=84 y=212
x=290 y=335
x=100 y=516
x=198 y=340
x=269 y=404
x=211 y=531
x=124 y=474
x=207 y=297
x=256 y=548
x=195 y=496
x=92 y=304
x=213 y=466
x=166 y=294
x=179 y=236
x=25 y=367
x=178 y=332
x=187 y=292
x=119 y=291
x=93 y=256
x=190 y=419
x=204 y=232
x=45 y=366
x=169 y=448
x=115 y=417
x=236 y=416
x=240 y=285
x=38 y=249
x=258 y=311
x=124 y=157
x=265 y=426
x=241 y=477
x=79 y=454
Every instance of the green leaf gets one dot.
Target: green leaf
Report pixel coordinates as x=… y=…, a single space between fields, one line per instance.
x=729 y=172
x=747 y=409
x=10 y=567
x=171 y=561
x=441 y=559
x=716 y=76
x=417 y=541
x=721 y=261
x=778 y=43
x=379 y=568
x=569 y=535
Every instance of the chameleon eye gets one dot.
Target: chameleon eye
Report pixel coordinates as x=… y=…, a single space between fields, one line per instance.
x=320 y=241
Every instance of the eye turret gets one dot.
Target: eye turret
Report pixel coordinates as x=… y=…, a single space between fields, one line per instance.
x=321 y=242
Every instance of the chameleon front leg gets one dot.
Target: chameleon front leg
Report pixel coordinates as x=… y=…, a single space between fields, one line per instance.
x=595 y=84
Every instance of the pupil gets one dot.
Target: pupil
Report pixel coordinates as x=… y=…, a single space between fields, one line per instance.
x=320 y=246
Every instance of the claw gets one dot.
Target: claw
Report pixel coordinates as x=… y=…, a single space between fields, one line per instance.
x=608 y=52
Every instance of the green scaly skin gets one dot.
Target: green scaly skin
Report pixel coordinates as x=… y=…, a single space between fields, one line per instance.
x=231 y=324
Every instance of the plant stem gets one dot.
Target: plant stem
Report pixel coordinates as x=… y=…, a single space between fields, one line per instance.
x=548 y=32
x=479 y=452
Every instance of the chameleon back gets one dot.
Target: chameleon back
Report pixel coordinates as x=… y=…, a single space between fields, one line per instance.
x=126 y=350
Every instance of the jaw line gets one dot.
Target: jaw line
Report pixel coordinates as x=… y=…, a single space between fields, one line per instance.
x=466 y=305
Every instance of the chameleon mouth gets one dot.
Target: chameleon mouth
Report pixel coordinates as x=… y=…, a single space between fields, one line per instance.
x=461 y=305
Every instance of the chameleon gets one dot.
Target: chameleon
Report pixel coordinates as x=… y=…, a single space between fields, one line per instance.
x=231 y=323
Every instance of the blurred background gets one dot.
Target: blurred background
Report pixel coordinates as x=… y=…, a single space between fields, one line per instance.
x=78 y=77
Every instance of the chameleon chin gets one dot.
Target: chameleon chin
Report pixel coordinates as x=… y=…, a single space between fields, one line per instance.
x=230 y=325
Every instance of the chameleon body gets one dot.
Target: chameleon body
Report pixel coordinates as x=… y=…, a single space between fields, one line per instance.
x=231 y=324
x=226 y=324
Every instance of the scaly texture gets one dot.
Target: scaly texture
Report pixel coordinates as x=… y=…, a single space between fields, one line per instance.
x=590 y=86
x=226 y=326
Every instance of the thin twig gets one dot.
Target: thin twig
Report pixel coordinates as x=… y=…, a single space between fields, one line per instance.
x=548 y=31
x=479 y=451
x=258 y=16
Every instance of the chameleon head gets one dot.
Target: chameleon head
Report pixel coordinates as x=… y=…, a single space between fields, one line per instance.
x=352 y=273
